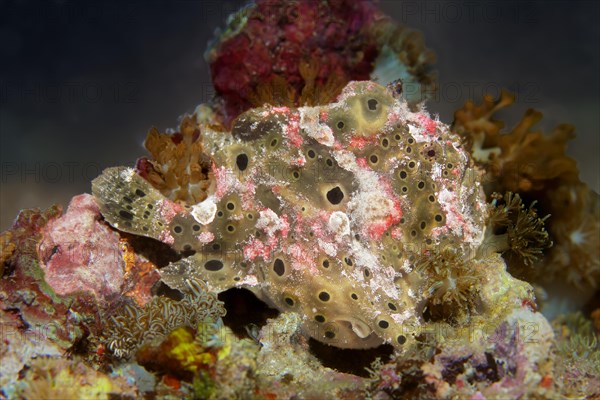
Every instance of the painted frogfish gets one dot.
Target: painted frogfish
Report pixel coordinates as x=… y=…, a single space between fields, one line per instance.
x=322 y=211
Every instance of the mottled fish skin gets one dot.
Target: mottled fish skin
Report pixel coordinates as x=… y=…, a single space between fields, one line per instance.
x=318 y=210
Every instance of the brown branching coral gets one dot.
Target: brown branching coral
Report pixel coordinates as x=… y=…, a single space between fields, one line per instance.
x=179 y=168
x=522 y=159
x=536 y=166
x=279 y=93
x=134 y=326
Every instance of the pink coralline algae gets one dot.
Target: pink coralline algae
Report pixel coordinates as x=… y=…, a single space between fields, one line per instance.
x=93 y=265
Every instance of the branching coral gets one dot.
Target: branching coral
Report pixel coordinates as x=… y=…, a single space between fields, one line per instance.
x=536 y=166
x=132 y=326
x=277 y=92
x=178 y=168
x=520 y=160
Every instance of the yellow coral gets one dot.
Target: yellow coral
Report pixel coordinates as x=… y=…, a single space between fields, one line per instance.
x=187 y=351
x=52 y=378
x=180 y=354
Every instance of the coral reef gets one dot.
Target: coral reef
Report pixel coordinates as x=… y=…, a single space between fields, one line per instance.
x=311 y=233
x=35 y=320
x=56 y=285
x=364 y=220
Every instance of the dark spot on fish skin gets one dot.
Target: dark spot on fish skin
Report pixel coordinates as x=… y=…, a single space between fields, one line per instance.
x=279 y=267
x=126 y=215
x=242 y=161
x=213 y=265
x=372 y=104
x=335 y=195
